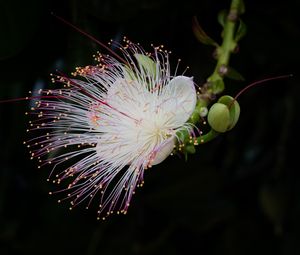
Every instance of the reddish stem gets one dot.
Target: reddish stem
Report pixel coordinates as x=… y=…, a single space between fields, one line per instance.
x=262 y=81
x=257 y=83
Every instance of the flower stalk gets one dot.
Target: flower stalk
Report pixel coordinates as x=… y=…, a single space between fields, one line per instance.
x=215 y=82
x=228 y=46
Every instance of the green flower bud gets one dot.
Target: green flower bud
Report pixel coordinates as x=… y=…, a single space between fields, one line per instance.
x=224 y=114
x=203 y=112
x=219 y=117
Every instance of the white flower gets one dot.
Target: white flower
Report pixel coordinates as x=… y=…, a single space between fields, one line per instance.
x=103 y=131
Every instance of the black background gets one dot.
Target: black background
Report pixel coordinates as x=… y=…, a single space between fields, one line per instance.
x=239 y=194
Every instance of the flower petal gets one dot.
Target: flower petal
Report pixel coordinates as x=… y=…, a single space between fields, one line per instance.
x=163 y=152
x=182 y=98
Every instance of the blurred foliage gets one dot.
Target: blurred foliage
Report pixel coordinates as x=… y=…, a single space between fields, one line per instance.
x=239 y=194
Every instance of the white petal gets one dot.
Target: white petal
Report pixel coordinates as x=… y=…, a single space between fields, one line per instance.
x=181 y=99
x=164 y=151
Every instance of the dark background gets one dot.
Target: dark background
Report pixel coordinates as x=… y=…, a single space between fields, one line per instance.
x=239 y=194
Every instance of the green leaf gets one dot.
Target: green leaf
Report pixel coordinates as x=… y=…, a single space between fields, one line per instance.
x=201 y=35
x=146 y=63
x=222 y=16
x=234 y=74
x=241 y=31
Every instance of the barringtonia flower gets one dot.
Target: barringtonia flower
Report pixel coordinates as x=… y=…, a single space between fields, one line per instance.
x=103 y=130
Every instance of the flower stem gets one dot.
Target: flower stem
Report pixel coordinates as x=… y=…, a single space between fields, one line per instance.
x=215 y=84
x=207 y=137
x=215 y=81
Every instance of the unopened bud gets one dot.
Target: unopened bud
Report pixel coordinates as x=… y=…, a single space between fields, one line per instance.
x=224 y=114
